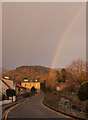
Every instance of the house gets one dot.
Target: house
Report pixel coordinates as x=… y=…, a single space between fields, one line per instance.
x=20 y=89
x=67 y=86
x=7 y=84
x=63 y=86
x=30 y=83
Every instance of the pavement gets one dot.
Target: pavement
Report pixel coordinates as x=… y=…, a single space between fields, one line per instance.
x=5 y=102
x=10 y=104
x=33 y=108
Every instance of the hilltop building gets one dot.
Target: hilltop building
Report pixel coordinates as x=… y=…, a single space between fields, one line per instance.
x=30 y=83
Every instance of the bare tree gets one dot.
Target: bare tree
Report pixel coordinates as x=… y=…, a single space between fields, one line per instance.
x=77 y=70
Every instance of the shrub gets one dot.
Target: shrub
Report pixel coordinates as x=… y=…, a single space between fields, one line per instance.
x=83 y=91
x=10 y=92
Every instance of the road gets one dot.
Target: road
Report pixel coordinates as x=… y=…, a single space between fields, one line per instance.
x=33 y=109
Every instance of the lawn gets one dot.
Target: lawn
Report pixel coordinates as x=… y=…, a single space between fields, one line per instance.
x=53 y=98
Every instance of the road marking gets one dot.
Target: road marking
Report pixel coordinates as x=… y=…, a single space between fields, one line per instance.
x=4 y=114
x=54 y=110
x=11 y=108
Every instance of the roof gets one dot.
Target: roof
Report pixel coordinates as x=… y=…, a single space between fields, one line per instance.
x=66 y=83
x=7 y=79
x=29 y=82
x=20 y=86
x=32 y=80
x=6 y=84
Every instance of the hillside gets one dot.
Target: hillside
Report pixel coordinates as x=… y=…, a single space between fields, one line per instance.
x=30 y=72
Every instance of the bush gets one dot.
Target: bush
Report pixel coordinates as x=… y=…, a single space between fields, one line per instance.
x=10 y=92
x=83 y=91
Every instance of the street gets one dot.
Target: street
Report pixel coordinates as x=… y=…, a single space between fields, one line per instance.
x=33 y=109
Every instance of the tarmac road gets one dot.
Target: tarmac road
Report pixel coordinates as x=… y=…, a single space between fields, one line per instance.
x=33 y=109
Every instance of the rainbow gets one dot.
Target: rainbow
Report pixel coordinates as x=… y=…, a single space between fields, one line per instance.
x=69 y=26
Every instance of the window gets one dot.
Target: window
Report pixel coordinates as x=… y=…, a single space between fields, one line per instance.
x=25 y=85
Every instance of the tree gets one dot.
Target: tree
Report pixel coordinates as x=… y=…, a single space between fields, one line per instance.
x=63 y=75
x=58 y=77
x=33 y=89
x=83 y=91
x=51 y=83
x=69 y=76
x=43 y=86
x=83 y=94
x=77 y=70
x=11 y=93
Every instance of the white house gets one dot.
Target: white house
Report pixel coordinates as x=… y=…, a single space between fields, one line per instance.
x=6 y=84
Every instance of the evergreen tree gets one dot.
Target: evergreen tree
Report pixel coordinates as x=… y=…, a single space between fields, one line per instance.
x=63 y=75
x=58 y=77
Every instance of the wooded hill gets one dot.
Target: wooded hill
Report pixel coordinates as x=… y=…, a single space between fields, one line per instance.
x=29 y=72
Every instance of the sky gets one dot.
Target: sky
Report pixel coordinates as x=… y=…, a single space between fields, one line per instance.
x=43 y=0
x=32 y=32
